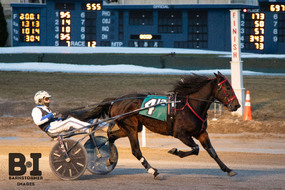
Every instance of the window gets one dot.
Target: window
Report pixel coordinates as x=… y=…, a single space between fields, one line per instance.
x=170 y=21
x=139 y=17
x=121 y=26
x=90 y=26
x=197 y=31
x=281 y=27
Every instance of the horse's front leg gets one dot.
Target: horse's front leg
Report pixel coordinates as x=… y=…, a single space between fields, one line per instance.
x=133 y=137
x=189 y=142
x=205 y=141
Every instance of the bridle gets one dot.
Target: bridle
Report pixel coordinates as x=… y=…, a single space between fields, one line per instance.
x=220 y=85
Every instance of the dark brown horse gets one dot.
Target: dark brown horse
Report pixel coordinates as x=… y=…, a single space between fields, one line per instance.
x=194 y=95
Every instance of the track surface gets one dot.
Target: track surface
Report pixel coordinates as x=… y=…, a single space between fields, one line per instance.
x=255 y=170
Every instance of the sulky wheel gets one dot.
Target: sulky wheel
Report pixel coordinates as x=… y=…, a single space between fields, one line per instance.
x=68 y=168
x=97 y=161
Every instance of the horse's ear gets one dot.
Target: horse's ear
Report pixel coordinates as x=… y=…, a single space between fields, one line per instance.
x=220 y=73
x=215 y=74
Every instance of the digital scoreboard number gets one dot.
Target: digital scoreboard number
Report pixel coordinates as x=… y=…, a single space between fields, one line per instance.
x=276 y=10
x=76 y=27
x=30 y=27
x=257 y=38
x=64 y=27
x=273 y=7
x=91 y=6
x=253 y=30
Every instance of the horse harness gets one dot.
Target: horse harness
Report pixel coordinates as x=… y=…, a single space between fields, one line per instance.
x=172 y=99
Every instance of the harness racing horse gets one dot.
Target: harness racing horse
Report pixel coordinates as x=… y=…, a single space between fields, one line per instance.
x=194 y=95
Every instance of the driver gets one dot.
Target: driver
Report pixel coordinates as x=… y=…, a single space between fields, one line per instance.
x=47 y=121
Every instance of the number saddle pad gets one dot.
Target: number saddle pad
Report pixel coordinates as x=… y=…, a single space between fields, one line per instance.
x=158 y=112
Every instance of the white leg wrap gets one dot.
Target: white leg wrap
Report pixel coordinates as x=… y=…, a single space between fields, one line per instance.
x=142 y=160
x=151 y=171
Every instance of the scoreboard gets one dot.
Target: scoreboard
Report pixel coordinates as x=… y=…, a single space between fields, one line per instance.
x=263 y=29
x=93 y=23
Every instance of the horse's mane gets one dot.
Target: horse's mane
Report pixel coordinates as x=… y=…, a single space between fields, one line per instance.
x=190 y=84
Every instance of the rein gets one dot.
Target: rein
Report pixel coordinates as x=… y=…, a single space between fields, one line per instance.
x=201 y=100
x=129 y=98
x=102 y=103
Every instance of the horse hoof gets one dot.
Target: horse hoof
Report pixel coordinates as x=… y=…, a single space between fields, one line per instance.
x=232 y=173
x=173 y=151
x=158 y=177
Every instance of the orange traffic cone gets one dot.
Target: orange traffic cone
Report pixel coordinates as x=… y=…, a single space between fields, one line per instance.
x=247 y=107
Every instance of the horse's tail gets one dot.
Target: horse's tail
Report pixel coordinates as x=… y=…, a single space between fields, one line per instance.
x=105 y=107
x=101 y=111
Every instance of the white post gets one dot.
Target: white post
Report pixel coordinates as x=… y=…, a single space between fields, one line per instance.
x=215 y=112
x=143 y=137
x=236 y=63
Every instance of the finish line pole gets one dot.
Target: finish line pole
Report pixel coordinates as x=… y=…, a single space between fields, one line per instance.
x=236 y=63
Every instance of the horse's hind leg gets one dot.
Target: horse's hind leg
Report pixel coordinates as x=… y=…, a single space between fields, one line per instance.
x=112 y=136
x=133 y=137
x=205 y=141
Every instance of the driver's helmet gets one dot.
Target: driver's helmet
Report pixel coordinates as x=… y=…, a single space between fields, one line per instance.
x=39 y=97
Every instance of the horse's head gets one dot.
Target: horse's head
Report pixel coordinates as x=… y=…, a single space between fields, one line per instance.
x=225 y=93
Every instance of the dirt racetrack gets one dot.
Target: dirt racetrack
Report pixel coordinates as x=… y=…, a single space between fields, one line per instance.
x=258 y=162
x=254 y=149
